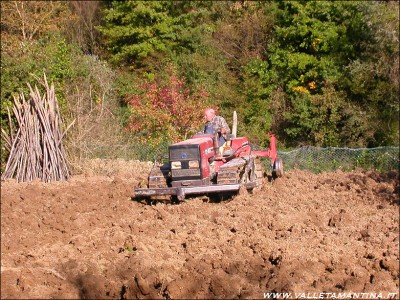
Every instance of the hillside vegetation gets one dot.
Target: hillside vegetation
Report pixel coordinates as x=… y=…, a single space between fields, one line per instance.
x=139 y=74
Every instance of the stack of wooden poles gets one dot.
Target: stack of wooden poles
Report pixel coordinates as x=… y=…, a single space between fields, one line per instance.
x=35 y=146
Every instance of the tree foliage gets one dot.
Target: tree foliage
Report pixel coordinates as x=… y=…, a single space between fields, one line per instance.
x=82 y=25
x=139 y=34
x=375 y=74
x=323 y=73
x=135 y=29
x=314 y=51
x=25 y=21
x=35 y=39
x=166 y=110
x=33 y=43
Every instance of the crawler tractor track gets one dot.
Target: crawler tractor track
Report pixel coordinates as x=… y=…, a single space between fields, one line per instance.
x=240 y=170
x=259 y=169
x=159 y=176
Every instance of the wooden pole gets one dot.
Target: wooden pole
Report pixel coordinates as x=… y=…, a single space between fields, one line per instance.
x=234 y=126
x=36 y=149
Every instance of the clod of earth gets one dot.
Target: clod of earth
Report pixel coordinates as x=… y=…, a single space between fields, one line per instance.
x=304 y=233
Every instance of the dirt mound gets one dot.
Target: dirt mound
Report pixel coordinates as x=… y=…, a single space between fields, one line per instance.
x=305 y=233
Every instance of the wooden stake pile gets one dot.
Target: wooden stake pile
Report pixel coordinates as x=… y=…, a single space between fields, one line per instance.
x=36 y=149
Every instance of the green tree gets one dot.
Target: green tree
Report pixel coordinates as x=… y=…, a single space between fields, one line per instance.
x=160 y=34
x=304 y=78
x=134 y=30
x=372 y=79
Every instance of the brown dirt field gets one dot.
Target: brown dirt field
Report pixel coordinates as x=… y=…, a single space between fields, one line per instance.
x=304 y=233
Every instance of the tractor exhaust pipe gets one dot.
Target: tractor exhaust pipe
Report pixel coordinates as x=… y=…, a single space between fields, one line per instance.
x=216 y=144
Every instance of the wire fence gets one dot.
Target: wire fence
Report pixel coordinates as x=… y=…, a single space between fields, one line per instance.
x=314 y=159
x=381 y=159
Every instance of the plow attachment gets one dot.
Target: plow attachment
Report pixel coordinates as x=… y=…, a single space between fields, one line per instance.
x=181 y=192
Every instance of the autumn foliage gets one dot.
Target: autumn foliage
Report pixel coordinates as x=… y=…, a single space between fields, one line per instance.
x=166 y=109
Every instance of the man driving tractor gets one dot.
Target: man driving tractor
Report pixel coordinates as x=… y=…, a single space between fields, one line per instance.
x=214 y=124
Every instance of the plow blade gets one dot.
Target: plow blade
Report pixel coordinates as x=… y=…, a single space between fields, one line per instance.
x=180 y=192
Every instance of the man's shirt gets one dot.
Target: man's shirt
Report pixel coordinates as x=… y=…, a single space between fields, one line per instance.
x=216 y=124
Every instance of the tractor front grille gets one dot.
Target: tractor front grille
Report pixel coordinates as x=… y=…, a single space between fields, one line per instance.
x=185 y=172
x=184 y=152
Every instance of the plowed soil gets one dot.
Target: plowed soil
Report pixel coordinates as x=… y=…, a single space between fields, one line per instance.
x=304 y=233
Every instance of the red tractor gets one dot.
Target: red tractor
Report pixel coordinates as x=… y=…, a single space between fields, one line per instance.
x=199 y=166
